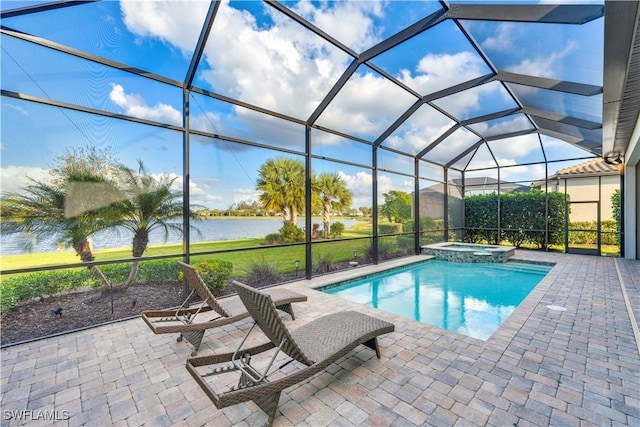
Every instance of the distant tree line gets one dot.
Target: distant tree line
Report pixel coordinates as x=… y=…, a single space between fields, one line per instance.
x=255 y=209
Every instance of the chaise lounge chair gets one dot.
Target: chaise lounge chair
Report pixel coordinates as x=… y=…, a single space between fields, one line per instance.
x=192 y=322
x=314 y=345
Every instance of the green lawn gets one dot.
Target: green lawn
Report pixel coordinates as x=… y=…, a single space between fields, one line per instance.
x=605 y=250
x=282 y=256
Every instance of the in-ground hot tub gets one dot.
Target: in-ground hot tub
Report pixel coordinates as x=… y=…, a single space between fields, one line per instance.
x=469 y=252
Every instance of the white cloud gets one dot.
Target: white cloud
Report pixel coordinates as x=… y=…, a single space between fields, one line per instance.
x=175 y=22
x=517 y=123
x=17 y=108
x=245 y=195
x=282 y=67
x=523 y=173
x=518 y=147
x=207 y=121
x=201 y=190
x=348 y=22
x=453 y=145
x=509 y=170
x=288 y=69
x=543 y=66
x=421 y=129
x=15 y=178
x=360 y=185
x=503 y=38
x=366 y=105
x=134 y=105
x=470 y=103
x=550 y=141
x=438 y=71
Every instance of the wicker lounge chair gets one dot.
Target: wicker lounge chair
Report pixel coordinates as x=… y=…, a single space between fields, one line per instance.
x=312 y=346
x=192 y=322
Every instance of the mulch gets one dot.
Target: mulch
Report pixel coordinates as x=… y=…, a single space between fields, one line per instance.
x=66 y=312
x=45 y=316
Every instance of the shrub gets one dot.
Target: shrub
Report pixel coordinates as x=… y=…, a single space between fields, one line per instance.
x=31 y=285
x=406 y=243
x=214 y=272
x=291 y=233
x=22 y=287
x=386 y=248
x=608 y=232
x=262 y=272
x=324 y=262
x=434 y=237
x=389 y=228
x=273 y=239
x=336 y=229
x=160 y=270
x=367 y=250
x=426 y=224
x=616 y=210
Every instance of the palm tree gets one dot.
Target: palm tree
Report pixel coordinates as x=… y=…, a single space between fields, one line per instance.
x=150 y=204
x=74 y=211
x=333 y=194
x=282 y=182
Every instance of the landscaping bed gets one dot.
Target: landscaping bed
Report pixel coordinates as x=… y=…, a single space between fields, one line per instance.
x=37 y=317
x=84 y=308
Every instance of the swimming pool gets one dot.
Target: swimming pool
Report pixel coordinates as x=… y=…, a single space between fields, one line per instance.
x=470 y=299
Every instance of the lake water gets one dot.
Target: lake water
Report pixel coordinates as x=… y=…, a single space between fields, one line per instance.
x=210 y=230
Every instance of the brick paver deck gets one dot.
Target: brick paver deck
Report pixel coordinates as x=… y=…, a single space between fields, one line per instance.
x=578 y=367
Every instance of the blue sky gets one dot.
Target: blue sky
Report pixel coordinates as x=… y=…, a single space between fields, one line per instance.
x=258 y=56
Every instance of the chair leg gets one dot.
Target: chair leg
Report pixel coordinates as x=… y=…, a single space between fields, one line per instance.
x=269 y=404
x=373 y=345
x=287 y=308
x=195 y=338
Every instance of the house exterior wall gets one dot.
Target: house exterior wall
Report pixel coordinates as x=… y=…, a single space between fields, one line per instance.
x=586 y=189
x=635 y=231
x=632 y=196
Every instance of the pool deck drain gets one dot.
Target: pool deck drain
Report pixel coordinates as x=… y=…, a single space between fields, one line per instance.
x=542 y=367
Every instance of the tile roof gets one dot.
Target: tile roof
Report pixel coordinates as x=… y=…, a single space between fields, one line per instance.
x=592 y=167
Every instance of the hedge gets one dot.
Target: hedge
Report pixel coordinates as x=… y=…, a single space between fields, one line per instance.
x=522 y=218
x=608 y=235
x=22 y=287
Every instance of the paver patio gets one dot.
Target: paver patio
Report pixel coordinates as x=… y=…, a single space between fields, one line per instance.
x=578 y=367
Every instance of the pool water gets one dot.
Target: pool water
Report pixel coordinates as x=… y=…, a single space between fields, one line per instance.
x=470 y=299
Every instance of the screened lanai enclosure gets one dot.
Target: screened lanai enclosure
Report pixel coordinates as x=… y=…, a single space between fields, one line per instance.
x=297 y=138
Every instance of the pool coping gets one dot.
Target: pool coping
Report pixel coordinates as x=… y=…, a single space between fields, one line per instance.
x=467 y=247
x=469 y=252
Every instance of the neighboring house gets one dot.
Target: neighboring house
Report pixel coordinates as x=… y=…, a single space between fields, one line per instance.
x=487 y=185
x=585 y=184
x=432 y=198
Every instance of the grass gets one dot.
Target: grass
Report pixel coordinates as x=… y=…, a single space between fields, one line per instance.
x=283 y=256
x=605 y=250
